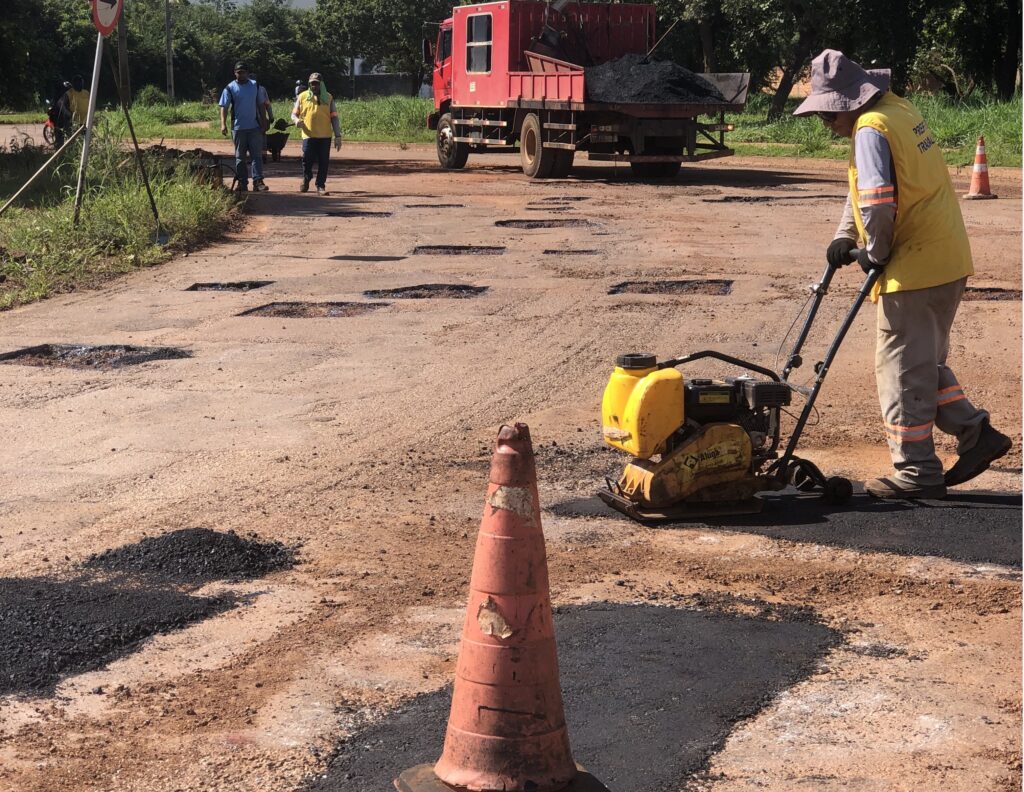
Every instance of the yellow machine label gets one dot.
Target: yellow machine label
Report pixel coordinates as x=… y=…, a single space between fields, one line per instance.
x=713 y=398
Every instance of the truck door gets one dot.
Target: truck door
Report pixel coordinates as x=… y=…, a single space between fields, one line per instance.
x=443 y=65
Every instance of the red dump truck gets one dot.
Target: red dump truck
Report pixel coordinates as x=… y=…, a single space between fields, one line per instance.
x=519 y=75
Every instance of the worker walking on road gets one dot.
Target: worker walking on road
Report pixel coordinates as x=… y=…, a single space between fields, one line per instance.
x=248 y=123
x=902 y=209
x=317 y=118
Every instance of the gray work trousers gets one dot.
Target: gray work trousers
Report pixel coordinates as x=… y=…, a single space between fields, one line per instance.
x=916 y=389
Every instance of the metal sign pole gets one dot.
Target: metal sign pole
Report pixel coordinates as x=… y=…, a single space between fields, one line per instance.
x=89 y=119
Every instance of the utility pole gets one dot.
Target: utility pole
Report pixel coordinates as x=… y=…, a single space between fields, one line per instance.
x=122 y=60
x=170 y=49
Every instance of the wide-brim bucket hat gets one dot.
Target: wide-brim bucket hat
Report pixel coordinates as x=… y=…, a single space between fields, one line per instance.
x=839 y=84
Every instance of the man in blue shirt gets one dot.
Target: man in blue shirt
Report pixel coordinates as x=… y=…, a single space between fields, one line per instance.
x=248 y=121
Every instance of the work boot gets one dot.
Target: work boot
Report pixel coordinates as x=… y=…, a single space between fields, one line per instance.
x=990 y=446
x=259 y=186
x=322 y=191
x=894 y=489
x=304 y=187
x=242 y=188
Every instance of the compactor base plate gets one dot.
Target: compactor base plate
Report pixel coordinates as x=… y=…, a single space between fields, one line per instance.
x=680 y=512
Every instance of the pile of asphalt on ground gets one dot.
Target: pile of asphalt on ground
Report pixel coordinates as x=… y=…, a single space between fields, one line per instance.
x=632 y=79
x=195 y=556
x=53 y=628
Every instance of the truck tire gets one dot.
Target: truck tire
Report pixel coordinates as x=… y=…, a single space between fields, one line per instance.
x=451 y=154
x=563 y=163
x=537 y=160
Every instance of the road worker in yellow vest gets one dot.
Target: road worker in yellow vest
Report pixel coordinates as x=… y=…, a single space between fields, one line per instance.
x=316 y=116
x=903 y=215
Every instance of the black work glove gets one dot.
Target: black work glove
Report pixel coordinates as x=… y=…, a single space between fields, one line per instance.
x=838 y=253
x=866 y=263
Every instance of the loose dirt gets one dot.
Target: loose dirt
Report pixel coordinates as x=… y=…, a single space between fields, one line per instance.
x=367 y=442
x=194 y=556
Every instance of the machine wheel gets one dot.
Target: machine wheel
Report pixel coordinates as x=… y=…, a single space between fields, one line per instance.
x=802 y=476
x=451 y=154
x=838 y=490
x=537 y=160
x=563 y=163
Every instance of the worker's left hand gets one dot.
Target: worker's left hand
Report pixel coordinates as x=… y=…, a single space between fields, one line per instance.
x=337 y=144
x=866 y=263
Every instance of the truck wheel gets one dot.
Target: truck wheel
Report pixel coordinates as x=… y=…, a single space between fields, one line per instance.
x=537 y=160
x=451 y=154
x=562 y=163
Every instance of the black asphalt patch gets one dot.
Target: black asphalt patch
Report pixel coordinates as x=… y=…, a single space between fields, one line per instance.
x=428 y=290
x=51 y=628
x=565 y=198
x=548 y=208
x=458 y=250
x=313 y=310
x=771 y=198
x=436 y=206
x=195 y=556
x=557 y=222
x=990 y=293
x=650 y=694
x=971 y=526
x=715 y=287
x=572 y=252
x=241 y=286
x=84 y=356
x=367 y=258
x=356 y=213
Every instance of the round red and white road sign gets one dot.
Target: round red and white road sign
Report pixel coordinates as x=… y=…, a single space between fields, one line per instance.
x=105 y=14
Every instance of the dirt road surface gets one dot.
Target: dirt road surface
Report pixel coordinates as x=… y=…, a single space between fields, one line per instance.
x=877 y=648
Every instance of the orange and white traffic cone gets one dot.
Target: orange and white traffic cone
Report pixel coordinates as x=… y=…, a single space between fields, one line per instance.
x=506 y=731
x=979 y=176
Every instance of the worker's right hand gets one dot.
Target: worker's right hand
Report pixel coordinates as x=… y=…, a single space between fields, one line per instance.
x=838 y=253
x=224 y=130
x=300 y=125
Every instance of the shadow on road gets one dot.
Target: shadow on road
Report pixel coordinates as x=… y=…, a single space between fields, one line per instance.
x=691 y=677
x=969 y=526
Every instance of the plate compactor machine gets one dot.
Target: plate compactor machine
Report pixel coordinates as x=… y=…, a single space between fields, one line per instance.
x=704 y=447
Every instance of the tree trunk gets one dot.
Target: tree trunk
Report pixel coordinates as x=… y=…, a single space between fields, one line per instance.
x=801 y=51
x=707 y=44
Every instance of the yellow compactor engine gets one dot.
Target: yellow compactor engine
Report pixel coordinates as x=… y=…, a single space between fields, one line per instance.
x=692 y=441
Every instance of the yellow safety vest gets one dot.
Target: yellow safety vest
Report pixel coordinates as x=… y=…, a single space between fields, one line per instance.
x=930 y=244
x=78 y=103
x=316 y=115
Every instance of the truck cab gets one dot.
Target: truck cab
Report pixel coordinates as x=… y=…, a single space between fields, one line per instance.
x=442 y=67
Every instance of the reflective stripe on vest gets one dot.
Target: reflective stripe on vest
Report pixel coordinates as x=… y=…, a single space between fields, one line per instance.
x=930 y=244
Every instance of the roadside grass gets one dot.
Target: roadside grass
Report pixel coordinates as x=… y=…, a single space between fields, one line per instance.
x=42 y=251
x=955 y=126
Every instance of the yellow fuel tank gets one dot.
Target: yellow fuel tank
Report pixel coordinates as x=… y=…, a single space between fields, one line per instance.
x=642 y=405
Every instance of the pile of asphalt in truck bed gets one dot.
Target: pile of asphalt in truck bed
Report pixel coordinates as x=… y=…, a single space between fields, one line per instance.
x=633 y=79
x=194 y=556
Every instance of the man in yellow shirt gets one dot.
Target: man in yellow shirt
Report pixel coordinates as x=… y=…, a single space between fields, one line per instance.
x=78 y=101
x=316 y=116
x=902 y=209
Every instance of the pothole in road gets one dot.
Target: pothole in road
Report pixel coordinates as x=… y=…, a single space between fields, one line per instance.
x=715 y=287
x=313 y=310
x=241 y=286
x=84 y=356
x=458 y=250
x=435 y=206
x=548 y=208
x=742 y=199
x=990 y=293
x=356 y=213
x=565 y=198
x=54 y=628
x=195 y=556
x=694 y=674
x=575 y=222
x=428 y=290
x=572 y=252
x=367 y=258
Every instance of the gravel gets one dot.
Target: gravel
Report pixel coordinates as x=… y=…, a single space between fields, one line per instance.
x=632 y=79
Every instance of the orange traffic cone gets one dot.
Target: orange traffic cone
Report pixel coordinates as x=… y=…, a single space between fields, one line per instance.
x=979 y=176
x=506 y=731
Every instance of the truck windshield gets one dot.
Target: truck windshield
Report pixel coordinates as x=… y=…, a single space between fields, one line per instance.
x=478 y=43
